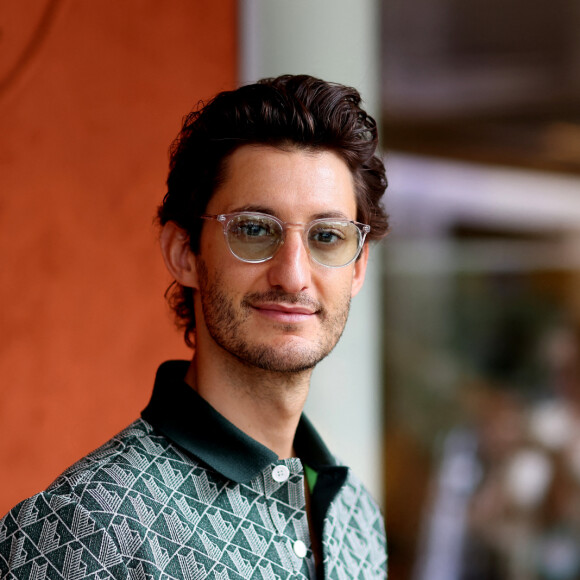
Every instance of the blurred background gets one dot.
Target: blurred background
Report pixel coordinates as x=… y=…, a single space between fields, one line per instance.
x=461 y=407
x=481 y=343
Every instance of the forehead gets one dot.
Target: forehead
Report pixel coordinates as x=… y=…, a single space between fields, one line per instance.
x=293 y=184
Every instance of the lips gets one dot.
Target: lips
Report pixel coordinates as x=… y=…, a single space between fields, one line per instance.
x=288 y=308
x=285 y=312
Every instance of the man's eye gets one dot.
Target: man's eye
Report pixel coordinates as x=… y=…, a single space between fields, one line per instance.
x=327 y=236
x=253 y=229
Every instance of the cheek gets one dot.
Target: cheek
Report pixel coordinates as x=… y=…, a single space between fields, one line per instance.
x=336 y=288
x=237 y=278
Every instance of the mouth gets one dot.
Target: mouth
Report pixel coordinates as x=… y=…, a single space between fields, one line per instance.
x=285 y=313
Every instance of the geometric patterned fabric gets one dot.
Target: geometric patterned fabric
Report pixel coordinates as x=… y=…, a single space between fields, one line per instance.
x=144 y=506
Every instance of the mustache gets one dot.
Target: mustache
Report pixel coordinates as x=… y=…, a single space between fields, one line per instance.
x=279 y=297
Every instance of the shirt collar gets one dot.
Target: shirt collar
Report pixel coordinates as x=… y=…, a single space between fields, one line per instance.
x=183 y=416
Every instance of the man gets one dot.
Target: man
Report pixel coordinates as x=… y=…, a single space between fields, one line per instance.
x=273 y=193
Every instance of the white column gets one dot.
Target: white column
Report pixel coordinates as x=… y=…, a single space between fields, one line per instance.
x=337 y=40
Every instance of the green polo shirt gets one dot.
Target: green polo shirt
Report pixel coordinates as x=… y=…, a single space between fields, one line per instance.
x=183 y=493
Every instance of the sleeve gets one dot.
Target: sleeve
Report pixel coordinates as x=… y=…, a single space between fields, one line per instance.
x=51 y=536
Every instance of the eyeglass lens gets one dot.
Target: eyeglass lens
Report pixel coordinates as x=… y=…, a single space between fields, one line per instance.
x=256 y=238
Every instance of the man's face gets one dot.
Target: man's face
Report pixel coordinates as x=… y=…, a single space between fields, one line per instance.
x=285 y=314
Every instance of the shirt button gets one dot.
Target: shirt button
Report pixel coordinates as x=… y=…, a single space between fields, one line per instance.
x=299 y=548
x=280 y=473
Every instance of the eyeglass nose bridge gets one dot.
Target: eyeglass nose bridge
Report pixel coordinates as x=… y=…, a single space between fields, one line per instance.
x=301 y=229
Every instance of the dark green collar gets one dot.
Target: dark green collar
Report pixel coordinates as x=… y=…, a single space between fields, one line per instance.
x=177 y=411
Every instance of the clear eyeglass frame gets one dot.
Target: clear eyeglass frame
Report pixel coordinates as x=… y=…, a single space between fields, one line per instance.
x=226 y=219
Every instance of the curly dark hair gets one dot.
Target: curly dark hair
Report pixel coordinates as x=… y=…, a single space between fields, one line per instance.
x=290 y=111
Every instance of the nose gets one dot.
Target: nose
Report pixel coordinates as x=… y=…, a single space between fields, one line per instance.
x=290 y=268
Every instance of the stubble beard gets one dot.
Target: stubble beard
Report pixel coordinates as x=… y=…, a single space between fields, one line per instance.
x=225 y=324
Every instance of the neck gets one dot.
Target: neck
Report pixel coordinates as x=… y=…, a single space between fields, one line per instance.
x=265 y=405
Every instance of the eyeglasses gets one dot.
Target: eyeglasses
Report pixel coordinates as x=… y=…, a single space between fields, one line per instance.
x=256 y=237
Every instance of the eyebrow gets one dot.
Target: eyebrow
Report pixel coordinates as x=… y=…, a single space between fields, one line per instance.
x=255 y=208
x=270 y=211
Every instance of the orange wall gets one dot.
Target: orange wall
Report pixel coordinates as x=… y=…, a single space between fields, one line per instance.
x=90 y=99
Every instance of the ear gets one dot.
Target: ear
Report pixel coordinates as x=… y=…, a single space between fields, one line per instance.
x=360 y=268
x=179 y=259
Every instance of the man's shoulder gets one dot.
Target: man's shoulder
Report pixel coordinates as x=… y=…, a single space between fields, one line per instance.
x=355 y=526
x=88 y=505
x=355 y=494
x=356 y=509
x=134 y=460
x=123 y=448
x=71 y=517
x=124 y=462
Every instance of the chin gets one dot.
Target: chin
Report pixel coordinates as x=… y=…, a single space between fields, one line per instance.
x=295 y=356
